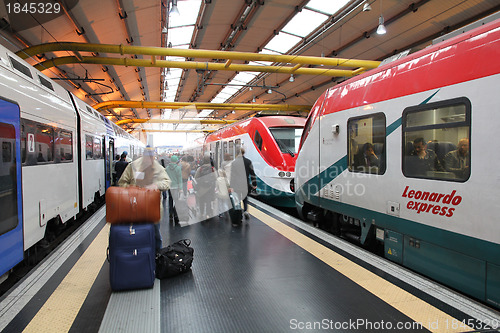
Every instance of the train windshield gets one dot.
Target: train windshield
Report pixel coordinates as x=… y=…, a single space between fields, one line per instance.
x=287 y=138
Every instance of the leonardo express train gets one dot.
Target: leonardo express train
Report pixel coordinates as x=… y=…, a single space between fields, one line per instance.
x=271 y=143
x=57 y=155
x=437 y=219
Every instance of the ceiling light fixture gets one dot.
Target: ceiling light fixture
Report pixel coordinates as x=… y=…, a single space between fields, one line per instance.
x=174 y=10
x=381 y=27
x=367 y=7
x=269 y=91
x=381 y=30
x=253 y=99
x=291 y=78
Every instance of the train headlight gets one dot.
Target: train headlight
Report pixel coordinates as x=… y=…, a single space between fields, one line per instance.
x=289 y=174
x=281 y=174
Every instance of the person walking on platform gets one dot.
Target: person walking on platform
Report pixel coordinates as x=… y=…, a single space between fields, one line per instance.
x=175 y=175
x=120 y=167
x=186 y=172
x=148 y=173
x=205 y=187
x=243 y=179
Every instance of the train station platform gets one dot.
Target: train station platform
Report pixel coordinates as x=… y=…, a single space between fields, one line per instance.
x=272 y=274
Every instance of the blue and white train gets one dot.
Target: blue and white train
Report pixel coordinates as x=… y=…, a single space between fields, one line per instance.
x=376 y=162
x=57 y=155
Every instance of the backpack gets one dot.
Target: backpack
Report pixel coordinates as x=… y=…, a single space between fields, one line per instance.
x=174 y=259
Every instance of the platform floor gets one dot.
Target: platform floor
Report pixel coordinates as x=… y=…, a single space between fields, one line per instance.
x=272 y=274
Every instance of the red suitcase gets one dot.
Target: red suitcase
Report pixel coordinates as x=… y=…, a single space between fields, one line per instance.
x=132 y=205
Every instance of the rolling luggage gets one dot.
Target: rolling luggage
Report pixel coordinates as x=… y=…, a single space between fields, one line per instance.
x=132 y=205
x=131 y=255
x=235 y=211
x=182 y=210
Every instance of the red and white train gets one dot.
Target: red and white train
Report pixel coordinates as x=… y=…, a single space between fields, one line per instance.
x=271 y=143
x=440 y=218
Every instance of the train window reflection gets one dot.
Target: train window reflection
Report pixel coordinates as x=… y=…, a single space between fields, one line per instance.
x=6 y=152
x=366 y=144
x=64 y=146
x=44 y=139
x=89 y=147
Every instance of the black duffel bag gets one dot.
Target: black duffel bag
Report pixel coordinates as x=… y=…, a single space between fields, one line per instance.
x=174 y=259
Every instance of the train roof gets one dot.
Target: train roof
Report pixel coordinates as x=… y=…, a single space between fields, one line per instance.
x=461 y=58
x=243 y=126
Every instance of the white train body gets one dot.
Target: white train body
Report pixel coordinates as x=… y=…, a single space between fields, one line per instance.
x=441 y=222
x=45 y=172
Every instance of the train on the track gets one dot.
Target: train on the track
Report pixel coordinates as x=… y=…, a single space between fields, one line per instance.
x=57 y=155
x=404 y=155
x=271 y=143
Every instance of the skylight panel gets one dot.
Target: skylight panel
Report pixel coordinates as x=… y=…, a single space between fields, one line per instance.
x=231 y=90
x=243 y=77
x=204 y=113
x=219 y=99
x=260 y=63
x=188 y=13
x=327 y=7
x=282 y=42
x=305 y=22
x=181 y=35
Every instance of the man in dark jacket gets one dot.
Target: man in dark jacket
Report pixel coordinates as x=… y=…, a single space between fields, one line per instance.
x=243 y=179
x=120 y=166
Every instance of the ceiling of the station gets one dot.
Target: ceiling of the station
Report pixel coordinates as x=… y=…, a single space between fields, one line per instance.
x=345 y=31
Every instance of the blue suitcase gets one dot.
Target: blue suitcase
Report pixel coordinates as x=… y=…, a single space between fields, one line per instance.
x=131 y=256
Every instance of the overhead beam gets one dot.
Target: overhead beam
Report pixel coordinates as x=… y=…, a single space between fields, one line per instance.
x=179 y=131
x=177 y=121
x=229 y=56
x=200 y=106
x=192 y=65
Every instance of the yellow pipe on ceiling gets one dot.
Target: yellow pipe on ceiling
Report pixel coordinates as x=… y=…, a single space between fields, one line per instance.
x=178 y=121
x=193 y=65
x=179 y=131
x=194 y=53
x=200 y=106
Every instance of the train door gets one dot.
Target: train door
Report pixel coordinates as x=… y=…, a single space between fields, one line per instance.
x=11 y=220
x=109 y=157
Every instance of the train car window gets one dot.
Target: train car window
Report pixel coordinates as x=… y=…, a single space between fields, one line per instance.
x=8 y=183
x=224 y=147
x=97 y=149
x=89 y=147
x=46 y=83
x=436 y=140
x=366 y=144
x=238 y=146
x=258 y=140
x=6 y=152
x=64 y=146
x=44 y=144
x=287 y=138
x=28 y=152
x=20 y=67
x=231 y=148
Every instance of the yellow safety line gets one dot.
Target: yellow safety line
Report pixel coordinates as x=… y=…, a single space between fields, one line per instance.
x=420 y=311
x=60 y=310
